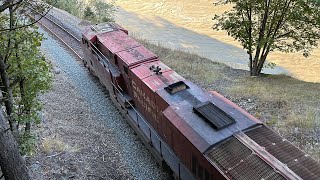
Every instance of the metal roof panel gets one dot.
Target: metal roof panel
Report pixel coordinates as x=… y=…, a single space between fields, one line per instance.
x=153 y=80
x=303 y=165
x=136 y=55
x=117 y=41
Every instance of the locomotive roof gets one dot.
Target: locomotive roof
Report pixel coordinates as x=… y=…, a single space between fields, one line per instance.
x=136 y=55
x=182 y=102
x=117 y=41
x=92 y=31
x=154 y=81
x=262 y=149
x=104 y=27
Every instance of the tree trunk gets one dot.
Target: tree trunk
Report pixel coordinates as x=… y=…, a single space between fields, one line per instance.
x=26 y=109
x=8 y=97
x=12 y=165
x=7 y=91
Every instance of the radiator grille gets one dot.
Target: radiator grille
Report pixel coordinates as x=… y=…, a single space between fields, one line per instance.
x=303 y=165
x=214 y=115
x=239 y=162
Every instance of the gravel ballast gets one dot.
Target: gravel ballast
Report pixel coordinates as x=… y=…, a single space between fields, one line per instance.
x=72 y=141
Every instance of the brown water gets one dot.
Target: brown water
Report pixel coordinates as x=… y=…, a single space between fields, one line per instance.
x=186 y=24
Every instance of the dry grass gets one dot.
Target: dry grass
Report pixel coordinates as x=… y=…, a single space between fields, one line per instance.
x=190 y=66
x=303 y=130
x=288 y=105
x=54 y=144
x=273 y=87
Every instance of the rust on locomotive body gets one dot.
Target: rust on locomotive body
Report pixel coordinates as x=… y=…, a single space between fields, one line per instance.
x=198 y=134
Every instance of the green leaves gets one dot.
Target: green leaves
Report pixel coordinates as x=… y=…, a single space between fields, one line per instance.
x=104 y=11
x=28 y=73
x=95 y=10
x=264 y=26
x=89 y=14
x=99 y=11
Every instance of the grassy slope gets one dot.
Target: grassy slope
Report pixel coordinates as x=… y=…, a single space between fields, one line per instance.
x=288 y=105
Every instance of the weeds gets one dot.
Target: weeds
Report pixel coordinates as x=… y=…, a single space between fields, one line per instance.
x=303 y=129
x=188 y=65
x=50 y=145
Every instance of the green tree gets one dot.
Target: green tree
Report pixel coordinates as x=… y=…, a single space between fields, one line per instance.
x=74 y=7
x=104 y=11
x=89 y=14
x=263 y=26
x=30 y=74
x=24 y=72
x=19 y=53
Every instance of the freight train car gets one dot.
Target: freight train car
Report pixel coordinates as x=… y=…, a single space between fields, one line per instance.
x=199 y=135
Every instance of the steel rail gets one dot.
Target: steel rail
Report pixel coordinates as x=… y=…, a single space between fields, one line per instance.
x=56 y=34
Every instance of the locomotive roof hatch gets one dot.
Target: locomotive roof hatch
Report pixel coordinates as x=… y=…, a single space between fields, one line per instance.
x=176 y=87
x=214 y=115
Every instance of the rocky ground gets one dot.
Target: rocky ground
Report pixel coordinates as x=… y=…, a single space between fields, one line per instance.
x=72 y=141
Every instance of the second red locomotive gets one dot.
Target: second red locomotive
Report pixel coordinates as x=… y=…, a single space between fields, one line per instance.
x=198 y=134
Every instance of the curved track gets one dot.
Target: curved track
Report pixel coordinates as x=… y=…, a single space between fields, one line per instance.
x=65 y=35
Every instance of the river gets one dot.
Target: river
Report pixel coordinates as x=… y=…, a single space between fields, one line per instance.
x=186 y=25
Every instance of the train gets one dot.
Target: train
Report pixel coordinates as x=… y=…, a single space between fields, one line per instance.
x=198 y=134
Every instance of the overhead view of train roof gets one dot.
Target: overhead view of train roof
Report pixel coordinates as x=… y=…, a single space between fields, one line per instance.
x=235 y=142
x=185 y=98
x=191 y=110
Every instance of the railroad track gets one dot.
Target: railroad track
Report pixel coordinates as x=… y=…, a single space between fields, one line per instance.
x=65 y=35
x=71 y=40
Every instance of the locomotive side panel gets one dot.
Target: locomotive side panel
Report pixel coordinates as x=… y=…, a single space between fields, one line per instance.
x=190 y=156
x=161 y=105
x=144 y=100
x=105 y=51
x=125 y=74
x=106 y=77
x=87 y=52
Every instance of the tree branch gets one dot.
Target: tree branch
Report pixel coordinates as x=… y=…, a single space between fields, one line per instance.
x=261 y=35
x=15 y=82
x=283 y=35
x=267 y=47
x=4 y=131
x=8 y=4
x=249 y=16
x=23 y=26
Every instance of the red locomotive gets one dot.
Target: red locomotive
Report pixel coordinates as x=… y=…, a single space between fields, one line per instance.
x=198 y=134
